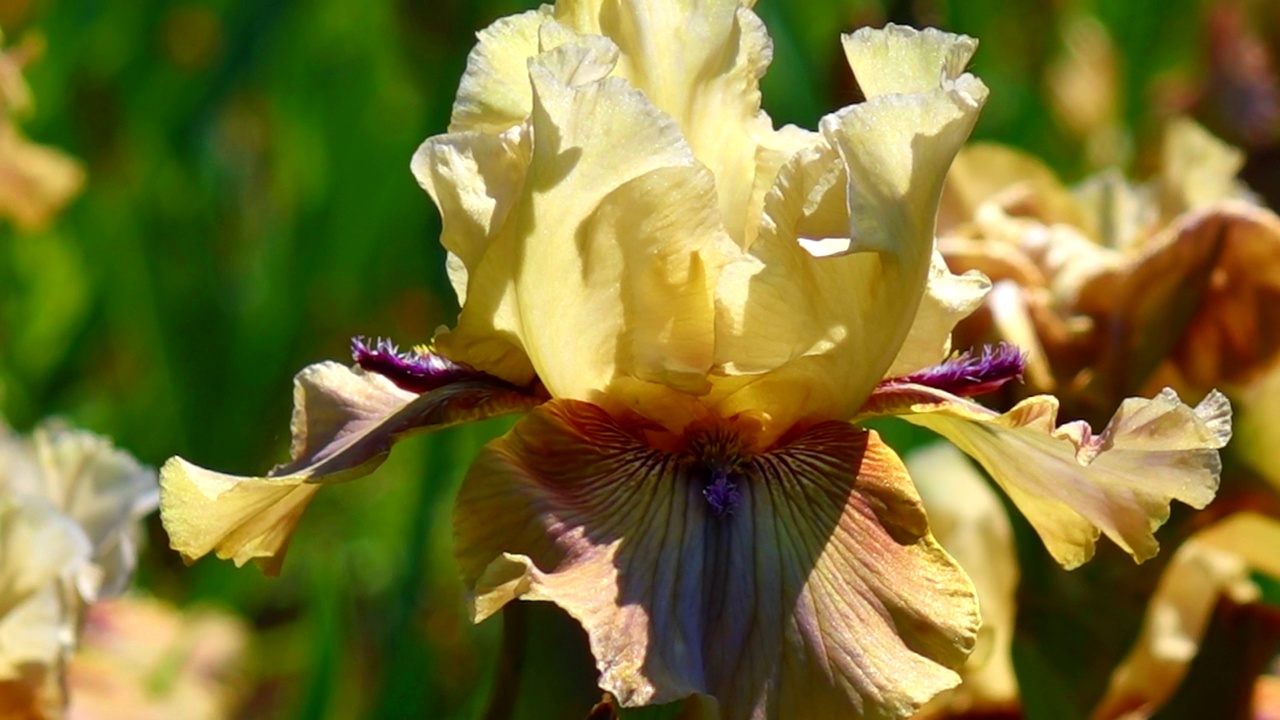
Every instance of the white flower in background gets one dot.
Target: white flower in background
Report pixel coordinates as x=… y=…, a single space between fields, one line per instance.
x=70 y=503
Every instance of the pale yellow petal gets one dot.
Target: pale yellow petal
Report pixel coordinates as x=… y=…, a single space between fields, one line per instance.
x=474 y=179
x=1014 y=180
x=1213 y=563
x=38 y=545
x=824 y=321
x=967 y=518
x=1257 y=425
x=603 y=271
x=1197 y=169
x=494 y=93
x=700 y=62
x=1071 y=484
x=948 y=298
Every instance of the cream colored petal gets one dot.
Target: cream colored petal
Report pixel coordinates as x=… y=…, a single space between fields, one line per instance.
x=836 y=320
x=900 y=59
x=700 y=62
x=1115 y=212
x=1213 y=563
x=947 y=299
x=100 y=490
x=344 y=423
x=474 y=179
x=40 y=632
x=38 y=546
x=969 y=521
x=494 y=93
x=1008 y=304
x=1197 y=169
x=1257 y=440
x=1071 y=484
x=106 y=492
x=820 y=594
x=604 y=269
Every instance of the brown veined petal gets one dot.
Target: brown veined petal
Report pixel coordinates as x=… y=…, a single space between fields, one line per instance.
x=344 y=424
x=821 y=594
x=1073 y=484
x=1213 y=563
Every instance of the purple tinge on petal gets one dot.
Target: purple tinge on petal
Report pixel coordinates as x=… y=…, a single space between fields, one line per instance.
x=415 y=370
x=721 y=492
x=971 y=373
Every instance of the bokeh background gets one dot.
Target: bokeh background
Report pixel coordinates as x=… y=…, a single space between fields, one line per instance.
x=249 y=208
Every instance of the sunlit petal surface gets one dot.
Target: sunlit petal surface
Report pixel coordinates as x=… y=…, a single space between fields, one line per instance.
x=813 y=590
x=1071 y=483
x=344 y=423
x=822 y=322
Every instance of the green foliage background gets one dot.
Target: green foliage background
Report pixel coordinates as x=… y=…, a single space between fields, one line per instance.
x=249 y=208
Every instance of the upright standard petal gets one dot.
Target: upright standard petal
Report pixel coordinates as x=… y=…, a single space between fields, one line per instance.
x=834 y=315
x=344 y=423
x=603 y=270
x=1070 y=483
x=801 y=582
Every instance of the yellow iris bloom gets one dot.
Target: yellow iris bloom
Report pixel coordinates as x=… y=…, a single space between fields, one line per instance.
x=695 y=308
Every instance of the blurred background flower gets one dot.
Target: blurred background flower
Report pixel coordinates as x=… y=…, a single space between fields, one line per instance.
x=248 y=207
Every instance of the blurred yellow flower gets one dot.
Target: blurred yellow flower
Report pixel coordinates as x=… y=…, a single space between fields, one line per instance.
x=35 y=181
x=695 y=308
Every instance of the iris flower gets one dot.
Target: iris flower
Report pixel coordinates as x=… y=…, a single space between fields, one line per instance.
x=695 y=310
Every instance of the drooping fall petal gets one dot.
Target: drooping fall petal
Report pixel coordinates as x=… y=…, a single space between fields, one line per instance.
x=1073 y=484
x=837 y=311
x=813 y=590
x=344 y=423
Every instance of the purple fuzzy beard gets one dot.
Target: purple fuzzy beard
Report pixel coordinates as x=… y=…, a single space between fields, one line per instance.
x=721 y=493
x=970 y=373
x=412 y=371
